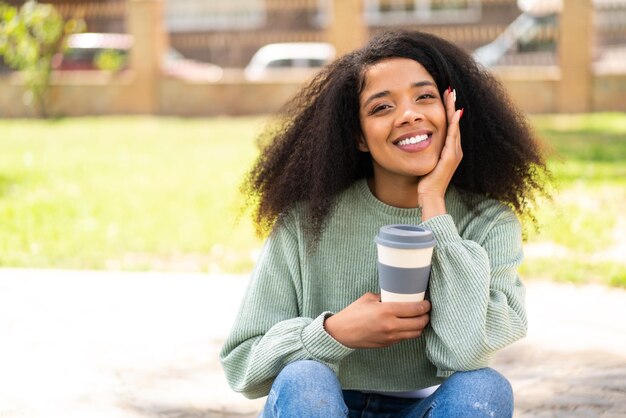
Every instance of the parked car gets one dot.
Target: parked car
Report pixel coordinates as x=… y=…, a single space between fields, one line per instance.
x=82 y=50
x=279 y=60
x=92 y=51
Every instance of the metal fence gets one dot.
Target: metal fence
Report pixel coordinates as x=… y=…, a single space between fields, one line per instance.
x=228 y=32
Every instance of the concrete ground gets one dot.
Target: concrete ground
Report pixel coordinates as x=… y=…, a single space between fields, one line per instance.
x=139 y=345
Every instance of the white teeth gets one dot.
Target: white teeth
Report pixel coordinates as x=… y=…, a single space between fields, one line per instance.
x=413 y=140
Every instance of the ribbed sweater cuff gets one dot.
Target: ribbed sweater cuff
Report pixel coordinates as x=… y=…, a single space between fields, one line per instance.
x=444 y=229
x=444 y=373
x=320 y=344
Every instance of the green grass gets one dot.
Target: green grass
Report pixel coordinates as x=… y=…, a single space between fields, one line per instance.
x=583 y=229
x=144 y=193
x=125 y=193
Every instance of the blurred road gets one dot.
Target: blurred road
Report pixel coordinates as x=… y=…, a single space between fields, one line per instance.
x=133 y=345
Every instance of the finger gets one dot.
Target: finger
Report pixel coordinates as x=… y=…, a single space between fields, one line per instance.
x=449 y=103
x=408 y=335
x=400 y=336
x=453 y=137
x=370 y=297
x=411 y=324
x=453 y=116
x=417 y=323
x=410 y=309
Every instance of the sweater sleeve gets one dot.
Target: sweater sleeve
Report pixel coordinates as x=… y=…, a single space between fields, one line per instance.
x=477 y=298
x=269 y=332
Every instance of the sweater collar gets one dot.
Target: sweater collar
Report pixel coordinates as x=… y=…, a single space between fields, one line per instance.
x=370 y=201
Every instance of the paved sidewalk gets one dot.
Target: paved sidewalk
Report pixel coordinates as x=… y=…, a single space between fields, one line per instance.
x=139 y=345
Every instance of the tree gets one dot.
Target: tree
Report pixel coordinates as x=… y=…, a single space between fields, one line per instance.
x=29 y=38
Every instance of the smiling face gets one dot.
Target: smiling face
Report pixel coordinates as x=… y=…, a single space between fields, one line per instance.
x=403 y=120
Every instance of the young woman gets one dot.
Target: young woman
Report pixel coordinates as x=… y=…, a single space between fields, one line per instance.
x=406 y=130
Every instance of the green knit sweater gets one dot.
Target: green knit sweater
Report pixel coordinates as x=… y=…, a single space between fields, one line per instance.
x=476 y=295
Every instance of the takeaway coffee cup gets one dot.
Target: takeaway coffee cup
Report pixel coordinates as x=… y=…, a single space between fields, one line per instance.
x=404 y=255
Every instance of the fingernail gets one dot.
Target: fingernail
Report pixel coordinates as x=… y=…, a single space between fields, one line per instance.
x=461 y=114
x=454 y=95
x=449 y=89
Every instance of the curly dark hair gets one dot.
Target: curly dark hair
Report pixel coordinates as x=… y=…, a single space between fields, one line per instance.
x=311 y=152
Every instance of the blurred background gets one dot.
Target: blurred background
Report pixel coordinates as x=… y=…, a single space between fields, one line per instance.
x=196 y=58
x=126 y=125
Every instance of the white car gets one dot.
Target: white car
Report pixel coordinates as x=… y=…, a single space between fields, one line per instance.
x=280 y=60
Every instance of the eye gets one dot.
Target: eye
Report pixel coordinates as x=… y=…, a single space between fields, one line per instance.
x=379 y=108
x=426 y=96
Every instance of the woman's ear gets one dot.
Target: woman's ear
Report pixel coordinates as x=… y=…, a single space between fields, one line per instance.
x=362 y=145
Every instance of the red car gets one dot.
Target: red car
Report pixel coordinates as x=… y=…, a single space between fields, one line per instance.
x=83 y=50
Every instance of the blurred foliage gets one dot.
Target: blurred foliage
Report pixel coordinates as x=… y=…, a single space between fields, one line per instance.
x=29 y=38
x=110 y=60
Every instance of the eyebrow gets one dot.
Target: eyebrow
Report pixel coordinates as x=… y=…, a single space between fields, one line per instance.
x=387 y=92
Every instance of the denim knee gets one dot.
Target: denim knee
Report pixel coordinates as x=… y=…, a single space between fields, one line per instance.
x=304 y=373
x=489 y=383
x=476 y=393
x=305 y=388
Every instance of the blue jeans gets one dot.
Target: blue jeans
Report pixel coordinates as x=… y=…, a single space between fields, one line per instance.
x=309 y=389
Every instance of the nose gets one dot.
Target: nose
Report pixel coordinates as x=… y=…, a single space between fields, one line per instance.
x=409 y=114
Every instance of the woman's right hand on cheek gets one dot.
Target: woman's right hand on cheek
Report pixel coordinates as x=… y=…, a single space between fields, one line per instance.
x=368 y=323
